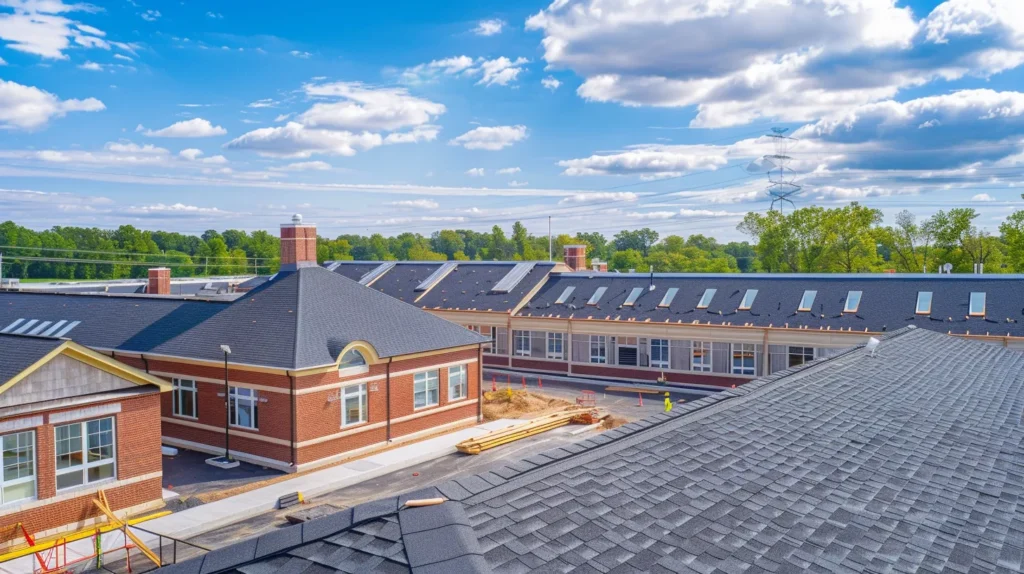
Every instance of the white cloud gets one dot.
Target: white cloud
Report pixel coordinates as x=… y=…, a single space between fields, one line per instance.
x=283 y=117
x=295 y=140
x=551 y=83
x=416 y=203
x=150 y=15
x=194 y=128
x=300 y=54
x=652 y=160
x=796 y=61
x=264 y=103
x=517 y=183
x=91 y=66
x=599 y=197
x=489 y=27
x=39 y=27
x=193 y=154
x=476 y=172
x=28 y=107
x=651 y=215
x=499 y=71
x=983 y=197
x=685 y=212
x=508 y=170
x=3 y=62
x=214 y=15
x=123 y=57
x=304 y=166
x=491 y=138
x=174 y=210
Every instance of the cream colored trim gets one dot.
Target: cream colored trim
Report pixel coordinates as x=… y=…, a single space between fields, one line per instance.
x=242 y=384
x=23 y=423
x=434 y=367
x=201 y=362
x=85 y=413
x=342 y=434
x=242 y=456
x=660 y=370
x=232 y=431
x=339 y=385
x=429 y=411
x=77 y=493
x=432 y=353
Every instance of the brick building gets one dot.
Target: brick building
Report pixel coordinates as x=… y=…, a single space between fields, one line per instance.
x=73 y=422
x=320 y=368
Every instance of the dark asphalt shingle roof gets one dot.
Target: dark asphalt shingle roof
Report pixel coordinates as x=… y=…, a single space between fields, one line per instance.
x=911 y=460
x=18 y=353
x=888 y=302
x=297 y=320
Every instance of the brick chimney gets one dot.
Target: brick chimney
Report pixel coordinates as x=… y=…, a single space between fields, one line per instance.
x=159 y=281
x=298 y=244
x=575 y=257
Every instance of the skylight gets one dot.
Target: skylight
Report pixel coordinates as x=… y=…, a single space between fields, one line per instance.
x=669 y=296
x=924 y=303
x=748 y=299
x=596 y=297
x=807 y=301
x=977 y=304
x=565 y=295
x=633 y=296
x=706 y=298
x=852 y=301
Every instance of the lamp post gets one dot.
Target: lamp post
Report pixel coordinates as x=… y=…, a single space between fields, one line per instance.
x=227 y=405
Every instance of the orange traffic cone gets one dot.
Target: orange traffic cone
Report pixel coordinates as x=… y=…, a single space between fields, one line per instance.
x=540 y=383
x=494 y=383
x=524 y=382
x=640 y=401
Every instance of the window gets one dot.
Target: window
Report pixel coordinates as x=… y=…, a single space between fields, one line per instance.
x=633 y=296
x=19 y=478
x=85 y=452
x=800 y=355
x=565 y=295
x=852 y=302
x=556 y=346
x=183 y=398
x=807 y=301
x=705 y=299
x=659 y=353
x=628 y=351
x=598 y=349
x=458 y=383
x=353 y=405
x=701 y=356
x=596 y=297
x=977 y=304
x=748 y=299
x=243 y=407
x=491 y=332
x=522 y=343
x=352 y=358
x=743 y=356
x=670 y=294
x=924 y=302
x=424 y=390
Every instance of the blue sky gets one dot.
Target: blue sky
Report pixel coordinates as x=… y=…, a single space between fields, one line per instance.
x=605 y=114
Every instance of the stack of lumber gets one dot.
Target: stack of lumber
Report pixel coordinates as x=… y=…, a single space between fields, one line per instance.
x=515 y=432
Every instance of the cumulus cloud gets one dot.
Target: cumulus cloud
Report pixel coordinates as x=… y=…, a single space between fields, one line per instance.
x=598 y=197
x=491 y=138
x=91 y=66
x=304 y=166
x=983 y=197
x=40 y=27
x=508 y=170
x=551 y=83
x=796 y=61
x=476 y=172
x=28 y=107
x=415 y=203
x=499 y=71
x=150 y=15
x=194 y=128
x=296 y=140
x=649 y=160
x=174 y=210
x=300 y=54
x=517 y=183
x=489 y=27
x=193 y=154
x=651 y=215
x=685 y=212
x=264 y=103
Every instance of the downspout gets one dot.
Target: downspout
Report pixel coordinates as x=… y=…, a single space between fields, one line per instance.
x=145 y=362
x=387 y=396
x=480 y=383
x=509 y=341
x=291 y=378
x=569 y=355
x=765 y=356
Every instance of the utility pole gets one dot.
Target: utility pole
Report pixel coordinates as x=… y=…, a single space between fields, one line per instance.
x=549 y=238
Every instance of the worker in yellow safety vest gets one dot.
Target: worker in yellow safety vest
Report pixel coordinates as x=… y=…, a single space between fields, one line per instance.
x=668 y=403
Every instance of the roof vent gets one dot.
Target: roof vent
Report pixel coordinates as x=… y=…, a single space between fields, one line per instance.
x=40 y=329
x=297 y=218
x=513 y=277
x=872 y=345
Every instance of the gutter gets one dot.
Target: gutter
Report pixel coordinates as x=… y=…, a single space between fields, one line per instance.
x=387 y=397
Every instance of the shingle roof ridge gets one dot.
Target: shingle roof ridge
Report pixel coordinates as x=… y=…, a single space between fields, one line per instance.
x=298 y=320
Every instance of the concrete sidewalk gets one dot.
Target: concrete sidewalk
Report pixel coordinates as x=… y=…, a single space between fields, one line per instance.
x=597 y=384
x=194 y=521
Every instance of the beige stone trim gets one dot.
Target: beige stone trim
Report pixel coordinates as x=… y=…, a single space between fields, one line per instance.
x=86 y=490
x=340 y=384
x=242 y=384
x=232 y=431
x=345 y=433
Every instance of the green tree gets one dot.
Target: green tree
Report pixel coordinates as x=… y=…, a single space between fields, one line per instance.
x=1012 y=230
x=448 y=242
x=627 y=259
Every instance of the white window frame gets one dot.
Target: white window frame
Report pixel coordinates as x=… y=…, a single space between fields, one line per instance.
x=807 y=300
x=178 y=390
x=972 y=310
x=920 y=297
x=706 y=298
x=243 y=396
x=663 y=351
x=458 y=380
x=353 y=368
x=846 y=306
x=745 y=303
x=704 y=347
x=519 y=337
x=21 y=438
x=599 y=343
x=492 y=333
x=741 y=352
x=86 y=445
x=558 y=339
x=423 y=383
x=359 y=393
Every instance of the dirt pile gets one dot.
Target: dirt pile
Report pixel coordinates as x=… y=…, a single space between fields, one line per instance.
x=505 y=404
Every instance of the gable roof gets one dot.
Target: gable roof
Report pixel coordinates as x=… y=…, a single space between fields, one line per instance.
x=887 y=304
x=19 y=353
x=911 y=459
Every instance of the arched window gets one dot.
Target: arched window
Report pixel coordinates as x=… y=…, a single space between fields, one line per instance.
x=353 y=358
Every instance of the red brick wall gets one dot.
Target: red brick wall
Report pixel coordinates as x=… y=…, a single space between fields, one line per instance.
x=521 y=363
x=71 y=511
x=298 y=243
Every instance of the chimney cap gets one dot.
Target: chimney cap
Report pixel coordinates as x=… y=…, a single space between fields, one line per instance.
x=297 y=218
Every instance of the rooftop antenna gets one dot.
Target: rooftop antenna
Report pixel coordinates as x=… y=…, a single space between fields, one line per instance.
x=781 y=186
x=651 y=286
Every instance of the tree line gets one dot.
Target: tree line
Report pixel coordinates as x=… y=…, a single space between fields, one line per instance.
x=849 y=239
